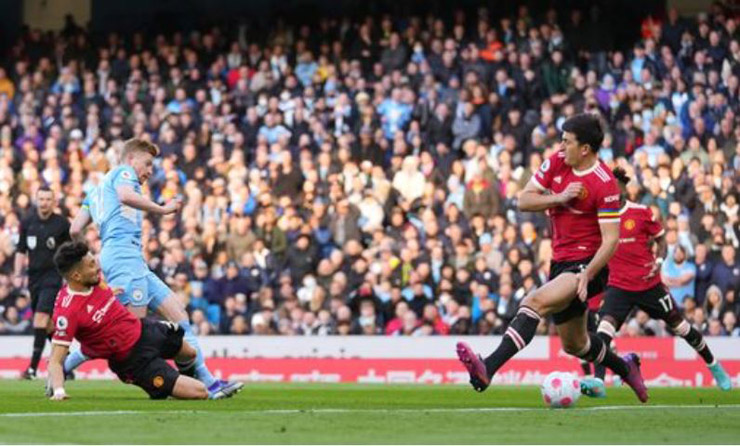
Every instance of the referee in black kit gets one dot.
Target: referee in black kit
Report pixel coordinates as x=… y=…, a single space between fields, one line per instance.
x=41 y=233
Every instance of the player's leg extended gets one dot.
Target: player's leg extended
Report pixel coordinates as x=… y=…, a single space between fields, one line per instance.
x=551 y=297
x=695 y=339
x=594 y=386
x=188 y=387
x=40 y=319
x=614 y=310
x=592 y=324
x=668 y=312
x=167 y=305
x=577 y=341
x=40 y=333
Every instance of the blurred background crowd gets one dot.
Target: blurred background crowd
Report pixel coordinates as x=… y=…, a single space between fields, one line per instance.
x=359 y=175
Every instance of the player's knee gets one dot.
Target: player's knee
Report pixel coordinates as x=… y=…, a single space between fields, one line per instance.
x=534 y=301
x=200 y=392
x=172 y=310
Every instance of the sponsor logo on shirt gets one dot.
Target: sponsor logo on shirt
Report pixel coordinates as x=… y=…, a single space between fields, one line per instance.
x=100 y=314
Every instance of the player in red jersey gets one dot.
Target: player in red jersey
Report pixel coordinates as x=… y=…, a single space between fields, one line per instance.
x=635 y=282
x=581 y=196
x=135 y=349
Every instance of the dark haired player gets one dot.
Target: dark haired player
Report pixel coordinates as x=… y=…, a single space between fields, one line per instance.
x=135 y=349
x=41 y=233
x=634 y=282
x=581 y=197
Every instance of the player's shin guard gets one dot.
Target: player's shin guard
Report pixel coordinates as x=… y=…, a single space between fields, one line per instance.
x=598 y=352
x=39 y=339
x=73 y=360
x=201 y=370
x=695 y=339
x=520 y=333
x=606 y=332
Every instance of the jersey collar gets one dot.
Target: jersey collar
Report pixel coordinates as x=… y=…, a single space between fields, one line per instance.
x=581 y=173
x=87 y=292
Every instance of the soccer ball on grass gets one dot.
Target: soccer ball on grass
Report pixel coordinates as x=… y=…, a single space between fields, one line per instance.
x=561 y=389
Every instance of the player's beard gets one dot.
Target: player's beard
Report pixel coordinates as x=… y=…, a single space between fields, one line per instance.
x=93 y=282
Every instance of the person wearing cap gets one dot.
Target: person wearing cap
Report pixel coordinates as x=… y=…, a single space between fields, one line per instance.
x=116 y=206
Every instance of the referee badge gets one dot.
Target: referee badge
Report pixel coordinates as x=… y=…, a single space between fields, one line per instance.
x=31 y=241
x=51 y=243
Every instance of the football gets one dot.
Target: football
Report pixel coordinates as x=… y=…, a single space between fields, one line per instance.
x=561 y=389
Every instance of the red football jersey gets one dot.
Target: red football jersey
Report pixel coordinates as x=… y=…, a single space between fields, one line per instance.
x=576 y=234
x=102 y=325
x=634 y=258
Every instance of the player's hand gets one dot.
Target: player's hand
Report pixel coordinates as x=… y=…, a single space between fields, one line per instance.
x=582 y=290
x=571 y=191
x=172 y=206
x=117 y=290
x=654 y=270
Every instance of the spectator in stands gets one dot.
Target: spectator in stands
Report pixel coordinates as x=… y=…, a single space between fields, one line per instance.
x=679 y=275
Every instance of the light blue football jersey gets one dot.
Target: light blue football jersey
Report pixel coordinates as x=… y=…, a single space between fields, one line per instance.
x=117 y=223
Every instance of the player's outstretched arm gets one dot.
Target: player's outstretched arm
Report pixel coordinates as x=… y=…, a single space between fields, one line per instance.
x=81 y=220
x=609 y=242
x=56 y=371
x=534 y=199
x=128 y=196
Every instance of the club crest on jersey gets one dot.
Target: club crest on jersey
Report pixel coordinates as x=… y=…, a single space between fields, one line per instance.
x=584 y=194
x=558 y=179
x=158 y=381
x=629 y=224
x=51 y=243
x=126 y=175
x=137 y=295
x=31 y=241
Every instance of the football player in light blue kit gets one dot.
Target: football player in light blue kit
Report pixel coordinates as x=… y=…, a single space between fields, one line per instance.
x=116 y=206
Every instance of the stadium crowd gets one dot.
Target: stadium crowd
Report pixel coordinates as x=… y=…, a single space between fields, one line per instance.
x=362 y=177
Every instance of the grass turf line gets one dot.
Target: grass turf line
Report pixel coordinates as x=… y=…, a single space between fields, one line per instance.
x=330 y=413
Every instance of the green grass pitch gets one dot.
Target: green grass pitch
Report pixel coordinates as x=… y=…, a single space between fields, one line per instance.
x=110 y=412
